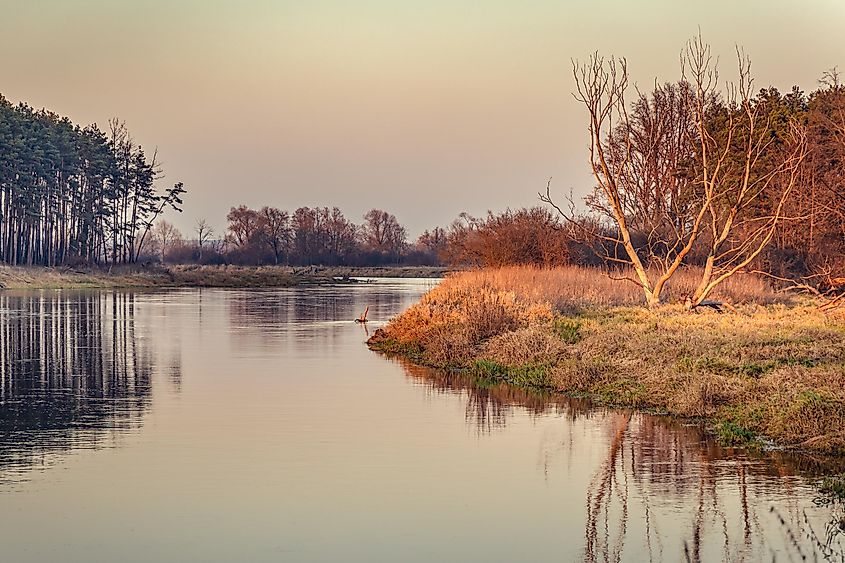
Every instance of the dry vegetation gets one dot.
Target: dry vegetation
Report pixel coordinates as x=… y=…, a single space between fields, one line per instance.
x=775 y=368
x=138 y=277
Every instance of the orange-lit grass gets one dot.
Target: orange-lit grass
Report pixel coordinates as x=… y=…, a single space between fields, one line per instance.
x=773 y=369
x=572 y=287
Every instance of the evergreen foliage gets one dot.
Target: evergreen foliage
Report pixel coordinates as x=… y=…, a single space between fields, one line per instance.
x=71 y=194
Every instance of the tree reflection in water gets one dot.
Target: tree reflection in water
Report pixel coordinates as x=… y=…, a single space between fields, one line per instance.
x=664 y=490
x=73 y=374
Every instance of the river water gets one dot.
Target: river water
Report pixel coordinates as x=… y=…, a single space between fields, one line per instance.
x=255 y=425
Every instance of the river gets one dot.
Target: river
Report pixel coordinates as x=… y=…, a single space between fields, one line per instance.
x=255 y=425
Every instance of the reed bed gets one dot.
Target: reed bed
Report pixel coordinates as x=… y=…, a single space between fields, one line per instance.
x=572 y=288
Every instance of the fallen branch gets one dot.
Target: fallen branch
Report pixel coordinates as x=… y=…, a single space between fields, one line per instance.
x=363 y=317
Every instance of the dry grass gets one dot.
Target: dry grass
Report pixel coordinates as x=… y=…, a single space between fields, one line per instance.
x=231 y=276
x=471 y=304
x=524 y=346
x=773 y=369
x=778 y=371
x=141 y=277
x=572 y=288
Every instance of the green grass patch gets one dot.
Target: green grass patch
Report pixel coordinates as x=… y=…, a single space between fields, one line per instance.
x=568 y=330
x=536 y=376
x=833 y=487
x=412 y=350
x=747 y=368
x=745 y=416
x=808 y=363
x=621 y=392
x=732 y=434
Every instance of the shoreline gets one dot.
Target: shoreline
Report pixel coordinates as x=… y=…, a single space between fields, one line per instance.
x=769 y=376
x=186 y=276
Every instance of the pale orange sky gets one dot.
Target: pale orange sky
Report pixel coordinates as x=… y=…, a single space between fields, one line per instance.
x=424 y=108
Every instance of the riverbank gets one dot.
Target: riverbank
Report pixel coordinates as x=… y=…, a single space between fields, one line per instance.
x=372 y=271
x=773 y=371
x=149 y=277
x=195 y=276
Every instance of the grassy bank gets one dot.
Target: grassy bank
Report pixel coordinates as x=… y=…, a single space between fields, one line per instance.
x=373 y=271
x=137 y=277
x=775 y=369
x=196 y=276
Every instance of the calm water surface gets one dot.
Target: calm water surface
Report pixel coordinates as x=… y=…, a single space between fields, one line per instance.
x=215 y=425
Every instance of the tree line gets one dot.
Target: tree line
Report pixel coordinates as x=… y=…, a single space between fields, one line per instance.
x=71 y=194
x=693 y=173
x=696 y=172
x=324 y=236
x=305 y=236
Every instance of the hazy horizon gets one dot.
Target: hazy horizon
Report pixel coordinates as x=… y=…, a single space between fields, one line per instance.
x=422 y=109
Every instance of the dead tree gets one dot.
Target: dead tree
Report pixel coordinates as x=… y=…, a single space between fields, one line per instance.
x=680 y=172
x=363 y=318
x=204 y=233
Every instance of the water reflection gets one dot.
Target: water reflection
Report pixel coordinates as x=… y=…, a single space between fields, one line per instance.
x=270 y=432
x=663 y=489
x=298 y=318
x=72 y=374
x=488 y=406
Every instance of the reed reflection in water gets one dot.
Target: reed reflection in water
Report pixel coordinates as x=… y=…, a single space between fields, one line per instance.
x=663 y=490
x=73 y=374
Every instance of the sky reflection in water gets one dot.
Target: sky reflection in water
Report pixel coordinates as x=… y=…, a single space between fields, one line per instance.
x=221 y=425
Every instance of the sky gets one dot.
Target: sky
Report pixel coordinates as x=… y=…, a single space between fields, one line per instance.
x=422 y=108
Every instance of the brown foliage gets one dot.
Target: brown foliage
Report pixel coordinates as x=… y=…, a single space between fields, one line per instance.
x=812 y=244
x=524 y=236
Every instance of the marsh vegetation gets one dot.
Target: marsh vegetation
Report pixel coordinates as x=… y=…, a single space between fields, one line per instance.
x=771 y=370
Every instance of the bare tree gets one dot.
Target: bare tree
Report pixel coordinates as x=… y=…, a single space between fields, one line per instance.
x=165 y=236
x=682 y=171
x=383 y=233
x=275 y=225
x=204 y=233
x=341 y=234
x=244 y=226
x=734 y=182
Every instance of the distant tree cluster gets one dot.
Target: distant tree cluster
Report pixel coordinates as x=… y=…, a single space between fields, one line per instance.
x=305 y=236
x=318 y=235
x=71 y=194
